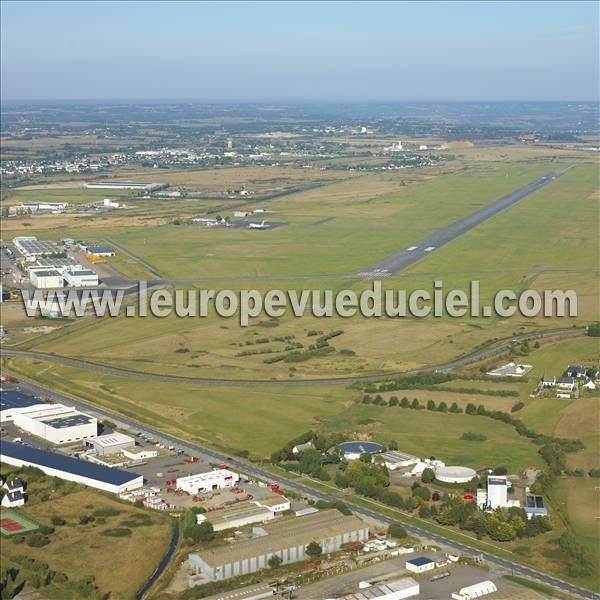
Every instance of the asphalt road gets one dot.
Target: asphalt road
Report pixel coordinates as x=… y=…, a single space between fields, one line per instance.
x=487 y=351
x=254 y=471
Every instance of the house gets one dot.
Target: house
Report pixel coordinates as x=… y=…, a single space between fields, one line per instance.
x=589 y=385
x=301 y=447
x=13 y=499
x=576 y=371
x=566 y=383
x=548 y=382
x=13 y=485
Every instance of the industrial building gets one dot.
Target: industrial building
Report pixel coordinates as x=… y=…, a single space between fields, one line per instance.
x=70 y=469
x=497 y=492
x=56 y=423
x=81 y=278
x=476 y=590
x=110 y=443
x=285 y=538
x=238 y=515
x=30 y=247
x=396 y=460
x=395 y=589
x=44 y=279
x=13 y=402
x=353 y=450
x=122 y=185
x=208 y=481
x=419 y=564
x=455 y=474
x=276 y=504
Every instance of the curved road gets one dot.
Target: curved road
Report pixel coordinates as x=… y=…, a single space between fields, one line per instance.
x=486 y=351
x=254 y=471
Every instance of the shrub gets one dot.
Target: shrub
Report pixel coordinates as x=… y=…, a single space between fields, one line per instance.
x=117 y=532
x=56 y=520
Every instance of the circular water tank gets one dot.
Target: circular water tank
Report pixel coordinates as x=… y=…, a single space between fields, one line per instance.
x=454 y=474
x=353 y=450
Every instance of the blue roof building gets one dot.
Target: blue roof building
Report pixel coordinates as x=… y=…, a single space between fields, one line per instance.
x=71 y=469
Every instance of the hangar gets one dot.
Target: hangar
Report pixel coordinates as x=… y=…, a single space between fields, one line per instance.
x=13 y=402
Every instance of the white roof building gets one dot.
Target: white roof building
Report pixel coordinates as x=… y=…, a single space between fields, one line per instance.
x=476 y=590
x=13 y=499
x=110 y=442
x=56 y=423
x=208 y=481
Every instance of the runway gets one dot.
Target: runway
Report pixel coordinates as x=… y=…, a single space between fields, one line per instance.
x=404 y=258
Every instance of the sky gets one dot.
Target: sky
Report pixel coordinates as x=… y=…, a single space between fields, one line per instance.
x=299 y=50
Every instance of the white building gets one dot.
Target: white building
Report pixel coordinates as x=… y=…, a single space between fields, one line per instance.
x=497 y=491
x=476 y=590
x=121 y=185
x=70 y=469
x=139 y=453
x=110 y=443
x=13 y=499
x=393 y=459
x=13 y=402
x=419 y=564
x=276 y=504
x=46 y=278
x=206 y=482
x=81 y=278
x=56 y=423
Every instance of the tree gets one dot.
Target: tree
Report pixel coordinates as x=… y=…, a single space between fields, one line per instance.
x=393 y=401
x=397 y=531
x=274 y=562
x=455 y=408
x=404 y=402
x=314 y=550
x=443 y=407
x=471 y=409
x=414 y=403
x=393 y=445
x=430 y=405
x=428 y=475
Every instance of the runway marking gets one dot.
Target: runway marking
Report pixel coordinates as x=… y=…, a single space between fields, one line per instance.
x=429 y=248
x=411 y=248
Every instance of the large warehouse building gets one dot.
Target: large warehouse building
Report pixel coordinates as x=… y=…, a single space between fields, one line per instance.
x=208 y=481
x=56 y=423
x=70 y=469
x=13 y=402
x=121 y=185
x=286 y=538
x=238 y=515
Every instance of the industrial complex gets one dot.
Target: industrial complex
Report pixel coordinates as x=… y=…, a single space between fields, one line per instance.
x=286 y=539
